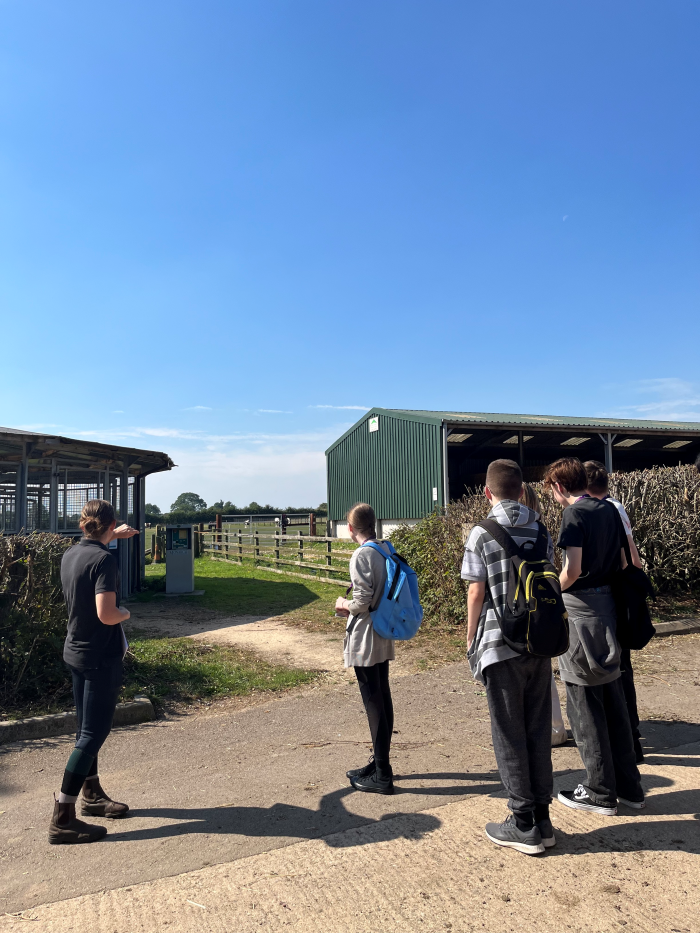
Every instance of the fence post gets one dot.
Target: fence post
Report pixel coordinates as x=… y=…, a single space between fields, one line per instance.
x=277 y=547
x=240 y=548
x=312 y=524
x=328 y=553
x=301 y=547
x=218 y=531
x=256 y=546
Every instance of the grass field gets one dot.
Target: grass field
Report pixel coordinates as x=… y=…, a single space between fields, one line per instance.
x=249 y=590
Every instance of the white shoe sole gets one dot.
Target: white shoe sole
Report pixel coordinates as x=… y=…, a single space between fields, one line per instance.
x=636 y=805
x=574 y=805
x=518 y=846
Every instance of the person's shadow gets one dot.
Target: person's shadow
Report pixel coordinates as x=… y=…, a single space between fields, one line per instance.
x=291 y=820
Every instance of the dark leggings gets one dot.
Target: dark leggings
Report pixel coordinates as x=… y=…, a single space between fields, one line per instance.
x=96 y=692
x=376 y=695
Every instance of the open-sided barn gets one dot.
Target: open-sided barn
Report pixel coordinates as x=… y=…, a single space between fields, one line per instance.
x=404 y=463
x=45 y=481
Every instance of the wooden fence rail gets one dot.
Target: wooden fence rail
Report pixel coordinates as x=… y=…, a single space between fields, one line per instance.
x=280 y=549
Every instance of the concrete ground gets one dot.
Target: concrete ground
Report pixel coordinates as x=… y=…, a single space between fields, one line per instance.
x=242 y=819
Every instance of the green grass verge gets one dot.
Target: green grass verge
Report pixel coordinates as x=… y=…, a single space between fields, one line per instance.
x=177 y=670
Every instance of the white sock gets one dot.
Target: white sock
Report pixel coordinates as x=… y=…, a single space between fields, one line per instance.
x=66 y=798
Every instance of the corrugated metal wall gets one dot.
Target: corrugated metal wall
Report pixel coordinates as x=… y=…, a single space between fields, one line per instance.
x=394 y=469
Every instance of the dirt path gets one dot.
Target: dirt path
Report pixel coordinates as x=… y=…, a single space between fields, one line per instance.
x=266 y=636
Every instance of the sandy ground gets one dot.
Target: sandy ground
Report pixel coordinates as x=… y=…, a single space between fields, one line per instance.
x=242 y=819
x=267 y=636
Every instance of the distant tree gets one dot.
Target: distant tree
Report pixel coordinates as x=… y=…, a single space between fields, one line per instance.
x=152 y=509
x=253 y=507
x=218 y=506
x=323 y=507
x=188 y=502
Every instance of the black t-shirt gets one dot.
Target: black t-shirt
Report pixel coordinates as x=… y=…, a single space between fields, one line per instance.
x=88 y=568
x=594 y=526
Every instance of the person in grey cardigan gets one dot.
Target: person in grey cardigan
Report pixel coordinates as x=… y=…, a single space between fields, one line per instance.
x=368 y=652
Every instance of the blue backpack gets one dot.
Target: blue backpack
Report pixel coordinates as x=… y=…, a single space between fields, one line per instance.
x=400 y=613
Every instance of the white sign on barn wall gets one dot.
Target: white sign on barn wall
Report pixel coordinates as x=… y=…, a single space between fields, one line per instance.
x=374 y=424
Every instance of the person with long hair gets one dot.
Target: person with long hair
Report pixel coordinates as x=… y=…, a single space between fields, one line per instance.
x=94 y=649
x=368 y=652
x=592 y=539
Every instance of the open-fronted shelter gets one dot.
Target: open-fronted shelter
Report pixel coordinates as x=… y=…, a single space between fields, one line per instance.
x=404 y=463
x=45 y=480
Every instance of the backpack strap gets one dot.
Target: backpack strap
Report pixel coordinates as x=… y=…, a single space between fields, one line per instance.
x=499 y=534
x=393 y=556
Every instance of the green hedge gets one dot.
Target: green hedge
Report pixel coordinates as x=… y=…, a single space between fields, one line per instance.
x=32 y=621
x=663 y=505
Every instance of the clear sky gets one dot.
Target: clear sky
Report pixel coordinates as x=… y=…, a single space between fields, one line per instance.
x=227 y=228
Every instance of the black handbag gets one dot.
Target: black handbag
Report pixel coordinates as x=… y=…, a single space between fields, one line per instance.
x=631 y=588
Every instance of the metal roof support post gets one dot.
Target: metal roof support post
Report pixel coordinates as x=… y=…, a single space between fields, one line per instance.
x=123 y=546
x=445 y=468
x=521 y=450
x=140 y=523
x=607 y=440
x=53 y=498
x=22 y=489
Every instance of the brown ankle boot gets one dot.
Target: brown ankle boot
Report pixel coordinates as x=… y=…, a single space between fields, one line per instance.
x=66 y=828
x=96 y=803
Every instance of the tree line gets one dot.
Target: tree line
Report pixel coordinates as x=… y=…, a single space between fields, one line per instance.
x=190 y=508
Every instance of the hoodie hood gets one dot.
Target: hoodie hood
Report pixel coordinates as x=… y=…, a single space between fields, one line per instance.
x=511 y=514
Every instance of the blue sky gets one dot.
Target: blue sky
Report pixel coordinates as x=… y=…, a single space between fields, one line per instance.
x=227 y=228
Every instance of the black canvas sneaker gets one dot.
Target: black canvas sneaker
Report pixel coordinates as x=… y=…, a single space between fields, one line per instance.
x=579 y=800
x=528 y=841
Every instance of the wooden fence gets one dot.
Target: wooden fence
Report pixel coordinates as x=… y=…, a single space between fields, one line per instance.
x=315 y=554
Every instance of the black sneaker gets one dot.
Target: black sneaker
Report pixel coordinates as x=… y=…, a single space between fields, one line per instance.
x=368 y=769
x=634 y=804
x=507 y=834
x=579 y=800
x=547 y=832
x=373 y=784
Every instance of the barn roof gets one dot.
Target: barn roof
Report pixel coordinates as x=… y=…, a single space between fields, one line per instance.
x=79 y=452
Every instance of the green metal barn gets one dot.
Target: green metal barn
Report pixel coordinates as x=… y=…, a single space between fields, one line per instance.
x=404 y=463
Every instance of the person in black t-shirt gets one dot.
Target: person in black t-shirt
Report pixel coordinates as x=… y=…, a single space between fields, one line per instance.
x=94 y=648
x=598 y=487
x=591 y=535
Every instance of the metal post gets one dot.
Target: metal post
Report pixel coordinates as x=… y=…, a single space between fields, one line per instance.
x=607 y=440
x=140 y=515
x=123 y=546
x=53 y=499
x=445 y=468
x=521 y=450
x=22 y=489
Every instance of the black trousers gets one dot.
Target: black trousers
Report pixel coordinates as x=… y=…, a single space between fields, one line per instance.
x=601 y=727
x=376 y=696
x=627 y=678
x=519 y=694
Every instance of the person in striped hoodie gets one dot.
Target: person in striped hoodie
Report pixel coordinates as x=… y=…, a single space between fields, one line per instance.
x=518 y=687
